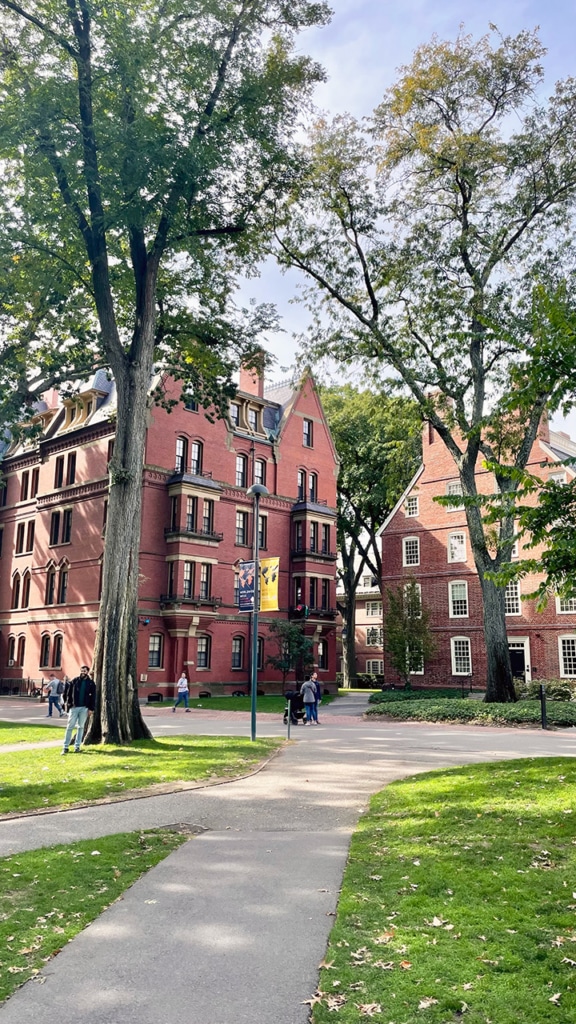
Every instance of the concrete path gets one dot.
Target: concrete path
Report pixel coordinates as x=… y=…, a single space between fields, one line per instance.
x=232 y=926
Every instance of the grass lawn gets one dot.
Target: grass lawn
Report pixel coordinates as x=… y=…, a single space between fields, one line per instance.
x=459 y=901
x=50 y=895
x=31 y=779
x=13 y=732
x=270 y=705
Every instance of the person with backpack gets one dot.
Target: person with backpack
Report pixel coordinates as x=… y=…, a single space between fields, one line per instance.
x=54 y=688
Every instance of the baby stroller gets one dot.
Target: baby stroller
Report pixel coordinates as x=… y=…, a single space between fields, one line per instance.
x=297 y=712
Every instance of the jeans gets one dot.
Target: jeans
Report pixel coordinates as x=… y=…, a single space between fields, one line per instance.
x=53 y=702
x=182 y=696
x=309 y=712
x=76 y=720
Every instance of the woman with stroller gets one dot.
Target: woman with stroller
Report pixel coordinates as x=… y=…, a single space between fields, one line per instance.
x=308 y=693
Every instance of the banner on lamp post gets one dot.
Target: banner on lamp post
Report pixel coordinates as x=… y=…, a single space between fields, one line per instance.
x=269 y=575
x=246 y=587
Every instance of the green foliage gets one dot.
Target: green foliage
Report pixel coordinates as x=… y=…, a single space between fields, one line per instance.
x=393 y=696
x=43 y=778
x=555 y=689
x=407 y=635
x=456 y=903
x=50 y=895
x=295 y=649
x=474 y=711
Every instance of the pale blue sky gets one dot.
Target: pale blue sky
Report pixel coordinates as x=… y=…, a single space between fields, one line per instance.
x=361 y=50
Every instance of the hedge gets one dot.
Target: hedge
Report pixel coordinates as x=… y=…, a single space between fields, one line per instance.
x=454 y=710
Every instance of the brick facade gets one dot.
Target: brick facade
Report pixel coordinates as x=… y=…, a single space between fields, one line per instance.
x=429 y=542
x=197 y=524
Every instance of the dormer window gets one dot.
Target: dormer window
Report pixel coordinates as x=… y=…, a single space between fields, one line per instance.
x=253 y=419
x=235 y=414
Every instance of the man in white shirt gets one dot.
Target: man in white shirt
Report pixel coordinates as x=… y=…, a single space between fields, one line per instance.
x=182 y=688
x=54 y=688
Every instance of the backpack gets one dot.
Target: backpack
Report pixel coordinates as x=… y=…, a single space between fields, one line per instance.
x=60 y=688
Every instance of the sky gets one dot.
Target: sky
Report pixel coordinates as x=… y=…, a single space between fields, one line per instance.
x=361 y=50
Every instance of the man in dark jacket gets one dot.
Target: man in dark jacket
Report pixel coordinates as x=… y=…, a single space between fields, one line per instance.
x=82 y=700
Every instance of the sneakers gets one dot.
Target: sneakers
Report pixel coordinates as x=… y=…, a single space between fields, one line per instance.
x=187 y=711
x=77 y=750
x=174 y=709
x=65 y=751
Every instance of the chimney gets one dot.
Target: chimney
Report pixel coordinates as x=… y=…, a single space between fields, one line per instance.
x=252 y=377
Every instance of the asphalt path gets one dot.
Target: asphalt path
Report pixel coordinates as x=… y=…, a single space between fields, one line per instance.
x=232 y=926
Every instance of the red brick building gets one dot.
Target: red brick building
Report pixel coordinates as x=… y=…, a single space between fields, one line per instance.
x=197 y=524
x=429 y=542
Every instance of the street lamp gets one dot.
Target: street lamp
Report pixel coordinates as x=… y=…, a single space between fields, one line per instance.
x=257 y=491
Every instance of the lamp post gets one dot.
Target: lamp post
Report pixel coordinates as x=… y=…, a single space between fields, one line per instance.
x=257 y=491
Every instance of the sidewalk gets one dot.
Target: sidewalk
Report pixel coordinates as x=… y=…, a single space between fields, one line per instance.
x=231 y=927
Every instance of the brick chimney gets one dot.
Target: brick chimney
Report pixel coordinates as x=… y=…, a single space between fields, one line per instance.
x=252 y=377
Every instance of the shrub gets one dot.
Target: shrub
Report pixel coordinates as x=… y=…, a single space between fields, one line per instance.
x=454 y=710
x=389 y=696
x=556 y=689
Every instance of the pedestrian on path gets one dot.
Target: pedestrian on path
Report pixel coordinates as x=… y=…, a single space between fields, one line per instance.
x=82 y=701
x=308 y=692
x=54 y=687
x=182 y=688
x=314 y=679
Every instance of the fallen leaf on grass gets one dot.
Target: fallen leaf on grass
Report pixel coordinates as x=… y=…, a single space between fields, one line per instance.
x=555 y=998
x=335 y=1002
x=327 y=966
x=567 y=960
x=381 y=940
x=405 y=965
x=384 y=965
x=368 y=1009
x=316 y=998
x=425 y=1003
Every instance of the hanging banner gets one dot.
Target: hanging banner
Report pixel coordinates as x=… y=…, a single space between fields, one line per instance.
x=269 y=574
x=246 y=587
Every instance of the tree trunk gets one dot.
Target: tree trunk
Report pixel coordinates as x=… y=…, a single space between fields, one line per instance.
x=117 y=718
x=499 y=681
x=349 y=642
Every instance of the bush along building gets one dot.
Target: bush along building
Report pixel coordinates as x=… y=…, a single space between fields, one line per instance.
x=197 y=527
x=429 y=543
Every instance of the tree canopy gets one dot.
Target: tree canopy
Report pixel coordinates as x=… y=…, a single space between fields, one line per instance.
x=432 y=231
x=142 y=147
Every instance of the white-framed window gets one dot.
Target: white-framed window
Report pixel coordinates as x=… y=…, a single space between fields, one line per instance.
x=374 y=636
x=457 y=547
x=374 y=666
x=369 y=581
x=374 y=609
x=418 y=671
x=234 y=414
x=458 y=599
x=155 y=650
x=412 y=506
x=567 y=656
x=566 y=605
x=558 y=477
x=417 y=607
x=307 y=433
x=461 y=655
x=454 y=487
x=323 y=654
x=253 y=419
x=203 y=652
x=241 y=470
x=237 y=652
x=259 y=471
x=512 y=601
x=410 y=551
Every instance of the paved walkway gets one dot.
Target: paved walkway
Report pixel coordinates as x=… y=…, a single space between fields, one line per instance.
x=230 y=928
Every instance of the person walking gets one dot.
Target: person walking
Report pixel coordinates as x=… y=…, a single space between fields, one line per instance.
x=314 y=679
x=54 y=687
x=308 y=692
x=182 y=688
x=82 y=698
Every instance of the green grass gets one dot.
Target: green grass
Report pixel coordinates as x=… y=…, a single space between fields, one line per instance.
x=50 y=895
x=475 y=712
x=270 y=705
x=459 y=901
x=13 y=732
x=31 y=779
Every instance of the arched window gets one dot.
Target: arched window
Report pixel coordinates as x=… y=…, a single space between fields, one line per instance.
x=323 y=654
x=241 y=470
x=11 y=650
x=155 y=650
x=51 y=585
x=63 y=584
x=196 y=458
x=25 y=590
x=301 y=485
x=237 y=652
x=313 y=486
x=181 y=454
x=260 y=472
x=21 y=651
x=57 y=651
x=16 y=591
x=45 y=650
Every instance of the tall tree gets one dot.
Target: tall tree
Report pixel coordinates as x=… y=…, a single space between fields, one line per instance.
x=408 y=638
x=140 y=145
x=294 y=648
x=426 y=233
x=378 y=440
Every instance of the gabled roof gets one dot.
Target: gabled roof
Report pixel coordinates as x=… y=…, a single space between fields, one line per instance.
x=401 y=500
